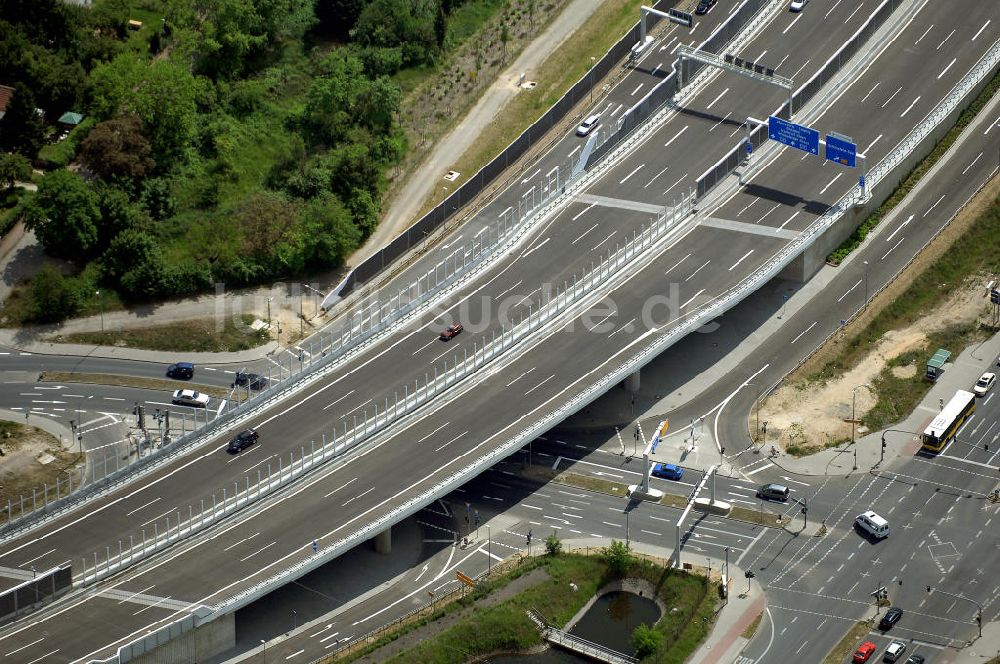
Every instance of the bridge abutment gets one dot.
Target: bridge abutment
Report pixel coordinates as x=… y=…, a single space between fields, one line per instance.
x=383 y=542
x=633 y=382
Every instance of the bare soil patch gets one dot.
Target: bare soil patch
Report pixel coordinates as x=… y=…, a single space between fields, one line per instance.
x=31 y=458
x=811 y=410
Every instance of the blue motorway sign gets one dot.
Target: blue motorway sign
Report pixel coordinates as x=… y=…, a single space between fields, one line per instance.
x=793 y=135
x=841 y=151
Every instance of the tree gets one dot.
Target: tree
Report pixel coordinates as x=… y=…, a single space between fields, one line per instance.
x=65 y=216
x=618 y=558
x=162 y=94
x=127 y=250
x=553 y=545
x=13 y=168
x=117 y=148
x=118 y=214
x=52 y=297
x=158 y=198
x=22 y=129
x=328 y=232
x=504 y=37
x=646 y=641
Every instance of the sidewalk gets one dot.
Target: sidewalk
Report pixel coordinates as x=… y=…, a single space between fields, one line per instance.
x=983 y=650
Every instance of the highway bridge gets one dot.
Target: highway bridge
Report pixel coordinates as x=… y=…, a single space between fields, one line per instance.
x=692 y=272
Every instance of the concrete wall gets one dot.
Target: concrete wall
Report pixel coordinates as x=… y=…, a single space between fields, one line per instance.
x=196 y=645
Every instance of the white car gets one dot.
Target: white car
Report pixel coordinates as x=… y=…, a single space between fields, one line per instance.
x=190 y=398
x=797 y=5
x=588 y=125
x=894 y=651
x=984 y=384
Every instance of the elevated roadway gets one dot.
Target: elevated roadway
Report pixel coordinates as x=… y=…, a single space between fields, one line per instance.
x=339 y=499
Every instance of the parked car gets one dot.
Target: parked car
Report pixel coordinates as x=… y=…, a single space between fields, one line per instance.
x=452 y=330
x=243 y=440
x=797 y=5
x=915 y=659
x=890 y=618
x=190 y=398
x=773 y=492
x=588 y=125
x=705 y=6
x=894 y=651
x=863 y=653
x=984 y=384
x=181 y=371
x=252 y=381
x=668 y=471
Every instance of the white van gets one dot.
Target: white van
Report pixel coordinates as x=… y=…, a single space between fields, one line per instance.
x=873 y=524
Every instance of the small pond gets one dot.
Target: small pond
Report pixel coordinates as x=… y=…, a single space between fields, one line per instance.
x=609 y=622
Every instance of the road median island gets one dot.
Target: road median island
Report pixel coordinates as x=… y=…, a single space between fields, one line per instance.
x=194 y=336
x=842 y=651
x=129 y=381
x=492 y=618
x=546 y=475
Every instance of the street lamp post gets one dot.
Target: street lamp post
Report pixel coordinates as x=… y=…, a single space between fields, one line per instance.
x=263 y=650
x=269 y=313
x=592 y=61
x=100 y=302
x=866 y=285
x=854 y=394
x=489 y=550
x=882 y=457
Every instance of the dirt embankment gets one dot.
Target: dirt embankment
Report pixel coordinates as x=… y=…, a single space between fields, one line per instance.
x=807 y=412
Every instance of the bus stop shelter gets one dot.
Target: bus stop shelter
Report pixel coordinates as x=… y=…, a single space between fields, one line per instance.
x=935 y=365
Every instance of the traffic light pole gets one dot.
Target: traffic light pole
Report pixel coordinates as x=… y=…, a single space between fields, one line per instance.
x=979 y=617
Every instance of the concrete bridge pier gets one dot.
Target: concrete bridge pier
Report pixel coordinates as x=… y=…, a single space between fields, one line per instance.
x=633 y=383
x=383 y=542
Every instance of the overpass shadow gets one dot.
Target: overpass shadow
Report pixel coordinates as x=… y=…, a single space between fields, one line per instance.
x=710 y=117
x=815 y=208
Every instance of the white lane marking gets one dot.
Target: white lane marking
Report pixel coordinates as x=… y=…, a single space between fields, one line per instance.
x=676 y=264
x=519 y=282
x=637 y=88
x=582 y=212
x=451 y=441
x=893 y=96
x=830 y=183
x=692 y=298
x=934 y=206
x=539 y=385
x=712 y=103
x=973 y=163
x=847 y=292
x=520 y=377
x=676 y=136
x=931 y=27
x=898 y=242
x=360 y=495
x=830 y=11
x=799 y=335
x=610 y=235
x=655 y=176
x=535 y=248
x=870 y=92
x=791 y=24
x=525 y=180
x=679 y=180
x=744 y=256
x=698 y=270
x=872 y=144
x=848 y=20
x=634 y=171
x=584 y=234
x=944 y=40
x=893 y=234
x=910 y=107
x=782 y=226
x=981 y=29
x=352 y=391
x=945 y=70
x=142 y=506
x=725 y=117
x=433 y=432
x=342 y=486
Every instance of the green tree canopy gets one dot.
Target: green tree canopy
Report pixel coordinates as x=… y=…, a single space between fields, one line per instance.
x=13 y=167
x=618 y=557
x=65 y=216
x=117 y=148
x=646 y=641
x=162 y=94
x=52 y=297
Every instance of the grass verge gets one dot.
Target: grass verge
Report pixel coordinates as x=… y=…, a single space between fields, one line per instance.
x=493 y=619
x=914 y=176
x=194 y=336
x=128 y=381
x=842 y=651
x=751 y=629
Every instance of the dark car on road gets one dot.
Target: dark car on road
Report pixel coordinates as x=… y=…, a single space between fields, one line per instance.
x=251 y=381
x=773 y=492
x=181 y=371
x=243 y=440
x=705 y=6
x=890 y=618
x=452 y=330
x=915 y=659
x=668 y=471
